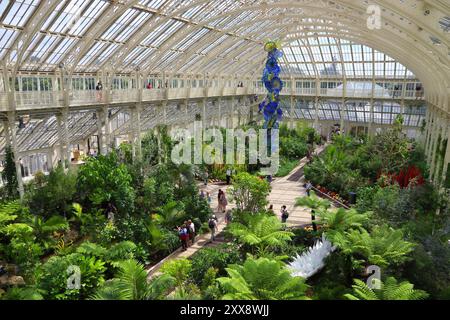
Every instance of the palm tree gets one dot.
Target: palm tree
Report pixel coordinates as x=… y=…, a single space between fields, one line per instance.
x=261 y=279
x=131 y=284
x=261 y=231
x=390 y=290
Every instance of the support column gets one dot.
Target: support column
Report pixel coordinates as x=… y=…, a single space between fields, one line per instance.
x=316 y=119
x=291 y=122
x=61 y=140
x=447 y=153
x=434 y=142
x=107 y=131
x=15 y=150
x=219 y=117
x=67 y=137
x=138 y=132
x=204 y=122
x=344 y=94
x=101 y=143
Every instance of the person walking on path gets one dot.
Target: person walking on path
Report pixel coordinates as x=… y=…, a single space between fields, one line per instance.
x=219 y=195
x=206 y=177
x=228 y=217
x=223 y=202
x=284 y=214
x=191 y=227
x=308 y=187
x=212 y=224
x=228 y=173
x=183 y=235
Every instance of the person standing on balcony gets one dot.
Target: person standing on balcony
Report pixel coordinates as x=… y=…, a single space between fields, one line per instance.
x=99 y=89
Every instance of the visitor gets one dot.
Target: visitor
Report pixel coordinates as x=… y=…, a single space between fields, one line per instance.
x=284 y=214
x=269 y=179
x=212 y=224
x=208 y=198
x=191 y=227
x=228 y=173
x=313 y=219
x=183 y=235
x=99 y=89
x=223 y=202
x=270 y=210
x=219 y=195
x=110 y=208
x=188 y=232
x=308 y=187
x=202 y=194
x=228 y=217
x=206 y=177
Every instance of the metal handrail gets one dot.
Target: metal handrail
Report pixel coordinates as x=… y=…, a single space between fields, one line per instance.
x=339 y=204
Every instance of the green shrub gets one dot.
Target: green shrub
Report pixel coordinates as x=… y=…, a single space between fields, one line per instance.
x=179 y=269
x=218 y=258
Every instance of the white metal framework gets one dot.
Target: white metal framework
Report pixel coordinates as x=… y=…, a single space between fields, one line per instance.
x=179 y=58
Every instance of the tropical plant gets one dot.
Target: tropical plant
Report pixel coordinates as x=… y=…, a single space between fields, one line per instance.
x=104 y=180
x=250 y=192
x=218 y=258
x=54 y=194
x=170 y=215
x=261 y=279
x=131 y=284
x=178 y=269
x=390 y=290
x=22 y=293
x=260 y=231
x=384 y=246
x=9 y=174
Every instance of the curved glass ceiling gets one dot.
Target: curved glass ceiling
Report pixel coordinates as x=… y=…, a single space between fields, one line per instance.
x=331 y=57
x=197 y=36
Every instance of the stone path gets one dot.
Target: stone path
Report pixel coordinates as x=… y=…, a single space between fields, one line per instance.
x=284 y=192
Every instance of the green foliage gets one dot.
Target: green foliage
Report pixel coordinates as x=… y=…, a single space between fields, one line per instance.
x=104 y=180
x=261 y=279
x=54 y=194
x=52 y=276
x=9 y=174
x=390 y=290
x=250 y=192
x=131 y=284
x=218 y=258
x=178 y=269
x=260 y=231
x=22 y=293
x=383 y=247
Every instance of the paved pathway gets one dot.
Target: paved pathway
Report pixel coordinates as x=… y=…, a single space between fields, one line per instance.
x=284 y=192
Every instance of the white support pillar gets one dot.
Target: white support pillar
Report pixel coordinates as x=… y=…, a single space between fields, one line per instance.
x=316 y=119
x=65 y=114
x=101 y=142
x=138 y=132
x=15 y=150
x=447 y=153
x=204 y=122
x=344 y=94
x=61 y=140
x=107 y=132
x=291 y=122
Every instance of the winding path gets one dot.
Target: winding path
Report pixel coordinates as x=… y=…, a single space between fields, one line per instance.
x=284 y=192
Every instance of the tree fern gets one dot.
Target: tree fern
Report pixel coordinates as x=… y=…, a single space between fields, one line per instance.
x=131 y=284
x=384 y=246
x=390 y=290
x=261 y=279
x=260 y=231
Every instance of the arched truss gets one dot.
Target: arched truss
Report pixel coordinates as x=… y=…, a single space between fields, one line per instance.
x=215 y=37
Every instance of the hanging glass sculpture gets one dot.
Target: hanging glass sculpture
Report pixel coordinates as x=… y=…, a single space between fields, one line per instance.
x=270 y=107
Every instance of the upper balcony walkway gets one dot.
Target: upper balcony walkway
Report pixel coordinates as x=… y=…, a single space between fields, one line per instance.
x=85 y=99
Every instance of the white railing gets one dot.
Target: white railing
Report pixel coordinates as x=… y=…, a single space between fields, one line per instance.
x=38 y=99
x=153 y=94
x=45 y=99
x=177 y=93
x=124 y=95
x=79 y=97
x=3 y=101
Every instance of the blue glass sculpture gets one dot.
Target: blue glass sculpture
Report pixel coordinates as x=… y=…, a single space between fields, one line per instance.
x=270 y=107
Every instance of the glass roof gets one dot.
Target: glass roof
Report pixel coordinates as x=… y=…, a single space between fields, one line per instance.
x=331 y=57
x=197 y=36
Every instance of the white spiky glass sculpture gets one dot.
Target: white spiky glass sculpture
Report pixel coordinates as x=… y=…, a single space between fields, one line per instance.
x=313 y=260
